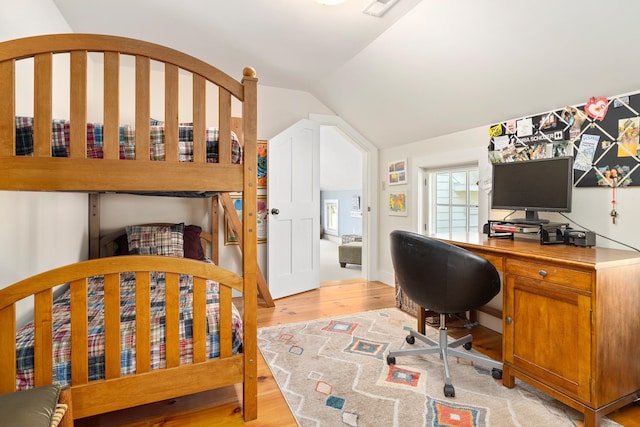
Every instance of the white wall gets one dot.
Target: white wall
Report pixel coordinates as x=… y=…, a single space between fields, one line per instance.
x=30 y=17
x=340 y=161
x=591 y=206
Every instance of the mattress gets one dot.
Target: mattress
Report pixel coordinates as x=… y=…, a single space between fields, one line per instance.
x=60 y=137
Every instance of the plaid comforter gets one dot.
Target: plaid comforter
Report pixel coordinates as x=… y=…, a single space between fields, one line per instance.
x=62 y=330
x=95 y=135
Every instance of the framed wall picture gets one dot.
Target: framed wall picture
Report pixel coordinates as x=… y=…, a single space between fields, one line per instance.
x=261 y=220
x=397 y=172
x=229 y=236
x=398 y=203
x=262 y=164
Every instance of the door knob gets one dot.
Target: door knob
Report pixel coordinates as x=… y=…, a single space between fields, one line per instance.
x=275 y=211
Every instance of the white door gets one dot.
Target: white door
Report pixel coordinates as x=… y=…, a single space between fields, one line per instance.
x=294 y=210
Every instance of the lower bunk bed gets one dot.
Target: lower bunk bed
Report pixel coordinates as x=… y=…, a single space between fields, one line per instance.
x=126 y=338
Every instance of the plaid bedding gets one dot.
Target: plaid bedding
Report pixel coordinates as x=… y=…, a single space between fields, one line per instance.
x=95 y=141
x=62 y=330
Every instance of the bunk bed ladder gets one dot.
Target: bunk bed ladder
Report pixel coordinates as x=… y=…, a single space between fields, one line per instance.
x=236 y=227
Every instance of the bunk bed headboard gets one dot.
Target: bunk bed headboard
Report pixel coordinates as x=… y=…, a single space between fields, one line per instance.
x=78 y=171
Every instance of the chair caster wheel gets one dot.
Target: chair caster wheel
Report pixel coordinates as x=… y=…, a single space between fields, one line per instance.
x=496 y=373
x=449 y=391
x=467 y=346
x=391 y=360
x=410 y=339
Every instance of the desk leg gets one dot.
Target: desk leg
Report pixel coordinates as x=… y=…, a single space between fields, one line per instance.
x=422 y=320
x=592 y=418
x=508 y=380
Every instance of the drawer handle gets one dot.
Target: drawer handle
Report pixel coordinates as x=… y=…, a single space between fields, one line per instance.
x=508 y=320
x=542 y=273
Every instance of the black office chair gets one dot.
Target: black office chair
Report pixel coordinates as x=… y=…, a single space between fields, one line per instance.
x=448 y=280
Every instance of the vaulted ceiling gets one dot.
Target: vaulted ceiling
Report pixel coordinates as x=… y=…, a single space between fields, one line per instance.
x=426 y=68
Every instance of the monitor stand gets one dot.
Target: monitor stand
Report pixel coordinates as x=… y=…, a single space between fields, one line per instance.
x=531 y=218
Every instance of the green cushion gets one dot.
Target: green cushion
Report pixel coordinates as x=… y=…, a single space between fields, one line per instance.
x=29 y=408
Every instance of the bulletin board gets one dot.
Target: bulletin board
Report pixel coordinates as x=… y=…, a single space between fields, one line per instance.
x=602 y=135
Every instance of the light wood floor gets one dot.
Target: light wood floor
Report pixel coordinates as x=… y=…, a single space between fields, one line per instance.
x=223 y=406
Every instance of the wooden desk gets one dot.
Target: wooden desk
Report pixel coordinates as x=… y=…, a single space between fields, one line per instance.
x=571 y=320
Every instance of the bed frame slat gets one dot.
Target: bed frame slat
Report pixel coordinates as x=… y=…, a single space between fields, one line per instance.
x=143 y=107
x=79 y=333
x=171 y=132
x=111 y=135
x=224 y=142
x=78 y=107
x=199 y=118
x=112 y=325
x=43 y=337
x=199 y=320
x=143 y=330
x=172 y=321
x=225 y=322
x=8 y=349
x=42 y=93
x=7 y=108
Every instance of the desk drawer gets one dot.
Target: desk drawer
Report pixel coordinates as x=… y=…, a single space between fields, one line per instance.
x=550 y=273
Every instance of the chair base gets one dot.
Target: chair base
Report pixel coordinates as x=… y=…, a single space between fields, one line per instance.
x=446 y=349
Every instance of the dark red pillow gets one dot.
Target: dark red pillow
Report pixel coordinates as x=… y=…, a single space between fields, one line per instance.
x=122 y=245
x=192 y=245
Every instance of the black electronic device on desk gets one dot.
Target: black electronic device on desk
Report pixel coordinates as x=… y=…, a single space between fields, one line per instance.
x=549 y=233
x=580 y=238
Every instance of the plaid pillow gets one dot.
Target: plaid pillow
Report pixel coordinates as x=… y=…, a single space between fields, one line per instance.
x=236 y=151
x=212 y=147
x=60 y=138
x=166 y=240
x=94 y=150
x=24 y=136
x=127 y=143
x=156 y=147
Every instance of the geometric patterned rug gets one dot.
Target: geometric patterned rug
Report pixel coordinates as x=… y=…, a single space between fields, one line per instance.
x=333 y=372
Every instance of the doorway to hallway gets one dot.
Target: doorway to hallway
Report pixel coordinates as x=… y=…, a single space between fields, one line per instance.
x=330 y=269
x=341 y=207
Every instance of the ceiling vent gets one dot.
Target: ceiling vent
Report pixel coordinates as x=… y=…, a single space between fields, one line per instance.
x=378 y=8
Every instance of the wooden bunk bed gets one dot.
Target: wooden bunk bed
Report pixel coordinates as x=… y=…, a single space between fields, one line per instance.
x=42 y=171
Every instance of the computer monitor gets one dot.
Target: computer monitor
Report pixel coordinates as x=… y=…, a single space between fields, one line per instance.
x=541 y=185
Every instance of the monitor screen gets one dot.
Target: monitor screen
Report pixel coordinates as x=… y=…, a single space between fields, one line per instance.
x=533 y=186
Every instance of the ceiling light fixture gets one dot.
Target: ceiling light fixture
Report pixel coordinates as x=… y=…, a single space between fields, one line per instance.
x=378 y=8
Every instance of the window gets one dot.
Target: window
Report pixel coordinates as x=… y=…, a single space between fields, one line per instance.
x=453 y=199
x=331 y=217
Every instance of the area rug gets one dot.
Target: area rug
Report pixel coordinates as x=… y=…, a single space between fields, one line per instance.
x=333 y=372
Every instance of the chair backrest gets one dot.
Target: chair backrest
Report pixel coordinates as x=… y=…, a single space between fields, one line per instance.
x=439 y=276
